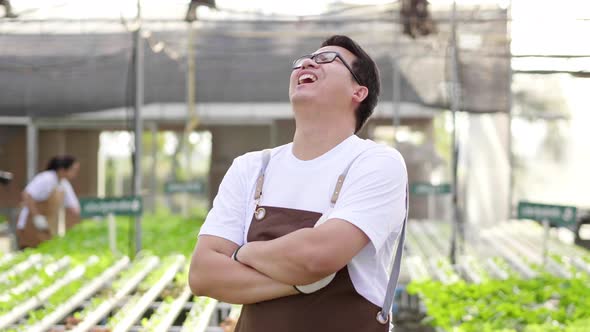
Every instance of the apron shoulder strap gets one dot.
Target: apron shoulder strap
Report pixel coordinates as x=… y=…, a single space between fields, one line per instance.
x=342 y=177
x=383 y=316
x=260 y=180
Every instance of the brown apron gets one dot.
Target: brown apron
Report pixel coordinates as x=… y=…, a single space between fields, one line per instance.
x=334 y=308
x=30 y=236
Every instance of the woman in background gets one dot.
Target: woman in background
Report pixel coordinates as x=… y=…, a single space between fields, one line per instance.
x=43 y=198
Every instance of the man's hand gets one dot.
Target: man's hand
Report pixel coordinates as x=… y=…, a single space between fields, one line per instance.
x=213 y=273
x=316 y=286
x=40 y=222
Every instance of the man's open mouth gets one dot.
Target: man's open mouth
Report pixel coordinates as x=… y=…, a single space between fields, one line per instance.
x=306 y=79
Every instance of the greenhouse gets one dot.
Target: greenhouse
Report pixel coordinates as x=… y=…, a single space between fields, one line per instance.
x=147 y=109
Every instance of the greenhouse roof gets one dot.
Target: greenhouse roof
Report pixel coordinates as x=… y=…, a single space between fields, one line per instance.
x=58 y=67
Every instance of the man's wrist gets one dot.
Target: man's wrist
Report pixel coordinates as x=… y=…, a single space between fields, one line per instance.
x=246 y=253
x=298 y=290
x=234 y=256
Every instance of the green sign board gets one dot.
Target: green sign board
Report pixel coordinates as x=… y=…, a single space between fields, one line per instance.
x=557 y=215
x=424 y=188
x=195 y=187
x=100 y=207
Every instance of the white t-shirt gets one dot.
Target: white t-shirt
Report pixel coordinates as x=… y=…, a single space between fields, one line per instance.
x=373 y=198
x=42 y=186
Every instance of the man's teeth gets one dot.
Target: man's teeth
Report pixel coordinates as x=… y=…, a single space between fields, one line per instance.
x=304 y=77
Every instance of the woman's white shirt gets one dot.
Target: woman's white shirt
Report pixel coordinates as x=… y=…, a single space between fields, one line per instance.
x=41 y=187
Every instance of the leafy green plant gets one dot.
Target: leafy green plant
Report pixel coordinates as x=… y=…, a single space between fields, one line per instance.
x=146 y=284
x=509 y=305
x=169 y=295
x=162 y=234
x=198 y=316
x=122 y=279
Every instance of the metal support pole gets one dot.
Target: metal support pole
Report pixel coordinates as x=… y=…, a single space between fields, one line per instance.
x=32 y=149
x=431 y=197
x=396 y=95
x=455 y=98
x=396 y=98
x=510 y=117
x=153 y=177
x=545 y=242
x=192 y=120
x=139 y=75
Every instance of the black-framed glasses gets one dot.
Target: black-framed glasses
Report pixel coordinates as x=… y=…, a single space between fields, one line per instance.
x=325 y=57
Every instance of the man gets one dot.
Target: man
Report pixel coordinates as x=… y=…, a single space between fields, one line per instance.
x=263 y=243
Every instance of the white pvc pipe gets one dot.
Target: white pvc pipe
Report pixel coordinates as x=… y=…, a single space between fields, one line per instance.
x=581 y=264
x=469 y=273
x=104 y=308
x=516 y=262
x=495 y=269
x=443 y=270
x=416 y=273
x=21 y=267
x=43 y=295
x=6 y=258
x=173 y=311
x=35 y=280
x=435 y=239
x=48 y=321
x=204 y=315
x=551 y=265
x=146 y=300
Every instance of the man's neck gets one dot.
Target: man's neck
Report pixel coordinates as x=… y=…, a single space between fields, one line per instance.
x=310 y=143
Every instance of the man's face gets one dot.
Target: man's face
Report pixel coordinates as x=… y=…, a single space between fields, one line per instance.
x=328 y=82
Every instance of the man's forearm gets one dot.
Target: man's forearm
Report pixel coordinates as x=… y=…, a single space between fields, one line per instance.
x=288 y=259
x=232 y=281
x=306 y=255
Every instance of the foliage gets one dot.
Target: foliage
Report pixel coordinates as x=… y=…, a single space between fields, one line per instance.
x=545 y=303
x=162 y=234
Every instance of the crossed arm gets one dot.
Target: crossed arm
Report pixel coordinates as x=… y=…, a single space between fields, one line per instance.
x=268 y=269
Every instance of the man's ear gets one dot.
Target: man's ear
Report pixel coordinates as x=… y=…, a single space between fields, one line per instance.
x=360 y=93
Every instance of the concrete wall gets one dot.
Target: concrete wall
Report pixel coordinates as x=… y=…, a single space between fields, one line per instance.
x=228 y=142
x=13 y=158
x=83 y=144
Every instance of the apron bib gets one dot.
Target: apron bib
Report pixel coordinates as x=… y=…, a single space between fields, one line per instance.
x=334 y=308
x=30 y=236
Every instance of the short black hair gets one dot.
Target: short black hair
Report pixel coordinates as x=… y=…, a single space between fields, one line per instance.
x=60 y=162
x=366 y=70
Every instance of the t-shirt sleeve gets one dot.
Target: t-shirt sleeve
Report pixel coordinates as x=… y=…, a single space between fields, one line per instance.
x=42 y=186
x=226 y=217
x=373 y=196
x=70 y=198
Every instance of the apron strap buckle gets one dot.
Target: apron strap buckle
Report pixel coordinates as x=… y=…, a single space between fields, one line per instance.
x=382 y=319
